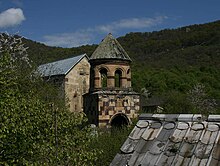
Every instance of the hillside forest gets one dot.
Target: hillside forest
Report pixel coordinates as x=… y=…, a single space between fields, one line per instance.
x=170 y=65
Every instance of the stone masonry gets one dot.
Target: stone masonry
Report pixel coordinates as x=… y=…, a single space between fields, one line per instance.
x=111 y=99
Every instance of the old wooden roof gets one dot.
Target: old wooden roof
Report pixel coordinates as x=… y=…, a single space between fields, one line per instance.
x=172 y=139
x=110 y=48
x=61 y=67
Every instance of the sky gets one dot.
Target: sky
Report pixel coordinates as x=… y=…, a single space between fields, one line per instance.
x=72 y=23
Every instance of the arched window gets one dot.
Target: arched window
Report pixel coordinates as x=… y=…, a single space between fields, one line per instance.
x=128 y=71
x=118 y=75
x=103 y=73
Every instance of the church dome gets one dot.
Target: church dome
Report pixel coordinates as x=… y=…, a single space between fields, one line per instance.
x=110 y=48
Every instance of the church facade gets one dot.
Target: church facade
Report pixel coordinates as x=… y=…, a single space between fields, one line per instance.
x=100 y=85
x=111 y=100
x=71 y=76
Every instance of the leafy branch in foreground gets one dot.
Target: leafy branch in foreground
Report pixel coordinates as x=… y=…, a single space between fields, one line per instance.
x=31 y=131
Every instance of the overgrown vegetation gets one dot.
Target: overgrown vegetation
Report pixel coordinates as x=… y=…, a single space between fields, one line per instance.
x=34 y=129
x=173 y=86
x=109 y=143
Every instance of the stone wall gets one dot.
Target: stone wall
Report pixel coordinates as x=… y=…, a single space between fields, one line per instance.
x=77 y=84
x=109 y=105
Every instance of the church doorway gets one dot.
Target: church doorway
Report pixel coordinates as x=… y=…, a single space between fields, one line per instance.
x=119 y=120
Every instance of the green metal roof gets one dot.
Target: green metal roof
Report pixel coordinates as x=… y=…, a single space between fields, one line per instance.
x=110 y=48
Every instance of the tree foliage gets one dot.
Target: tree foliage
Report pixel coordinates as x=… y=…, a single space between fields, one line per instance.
x=109 y=142
x=198 y=98
x=35 y=130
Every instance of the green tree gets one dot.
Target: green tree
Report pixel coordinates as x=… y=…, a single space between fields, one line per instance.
x=109 y=142
x=35 y=131
x=176 y=102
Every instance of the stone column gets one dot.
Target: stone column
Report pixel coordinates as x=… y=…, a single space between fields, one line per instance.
x=97 y=81
x=129 y=78
x=111 y=79
x=128 y=82
x=124 y=78
x=124 y=83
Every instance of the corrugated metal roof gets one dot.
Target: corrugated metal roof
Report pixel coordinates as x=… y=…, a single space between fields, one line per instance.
x=61 y=67
x=110 y=48
x=172 y=139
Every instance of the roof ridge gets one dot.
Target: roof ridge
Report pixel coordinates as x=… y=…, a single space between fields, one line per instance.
x=64 y=59
x=180 y=117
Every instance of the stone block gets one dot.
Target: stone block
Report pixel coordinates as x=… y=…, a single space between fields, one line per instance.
x=111 y=112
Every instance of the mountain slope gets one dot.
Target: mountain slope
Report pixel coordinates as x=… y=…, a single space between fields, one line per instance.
x=40 y=53
x=168 y=63
x=195 y=45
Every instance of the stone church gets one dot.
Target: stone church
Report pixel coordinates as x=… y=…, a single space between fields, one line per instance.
x=111 y=100
x=100 y=85
x=71 y=76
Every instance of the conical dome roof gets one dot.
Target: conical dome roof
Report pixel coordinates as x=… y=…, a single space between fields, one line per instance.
x=110 y=48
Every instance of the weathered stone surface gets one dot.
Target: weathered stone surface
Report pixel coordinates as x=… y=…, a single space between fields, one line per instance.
x=110 y=84
x=77 y=84
x=71 y=76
